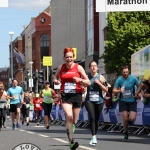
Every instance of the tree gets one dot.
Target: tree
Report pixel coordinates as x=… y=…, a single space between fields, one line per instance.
x=127 y=33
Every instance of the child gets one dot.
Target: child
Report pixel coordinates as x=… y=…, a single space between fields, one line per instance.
x=37 y=101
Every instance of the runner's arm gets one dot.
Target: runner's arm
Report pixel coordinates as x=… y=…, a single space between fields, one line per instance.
x=53 y=93
x=139 y=86
x=41 y=94
x=84 y=78
x=101 y=84
x=22 y=96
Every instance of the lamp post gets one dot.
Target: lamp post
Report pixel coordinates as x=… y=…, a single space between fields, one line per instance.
x=11 y=54
x=30 y=81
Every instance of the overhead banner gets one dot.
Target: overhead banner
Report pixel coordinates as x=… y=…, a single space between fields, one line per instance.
x=3 y=3
x=122 y=5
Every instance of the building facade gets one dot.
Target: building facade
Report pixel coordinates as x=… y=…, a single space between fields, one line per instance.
x=67 y=29
x=92 y=33
x=34 y=43
x=4 y=77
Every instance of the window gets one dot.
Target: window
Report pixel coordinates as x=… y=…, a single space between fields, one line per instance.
x=44 y=41
x=90 y=47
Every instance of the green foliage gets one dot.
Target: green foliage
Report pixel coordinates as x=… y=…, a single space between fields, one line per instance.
x=127 y=33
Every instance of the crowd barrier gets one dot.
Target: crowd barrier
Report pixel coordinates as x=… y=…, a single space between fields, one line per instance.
x=113 y=115
x=112 y=118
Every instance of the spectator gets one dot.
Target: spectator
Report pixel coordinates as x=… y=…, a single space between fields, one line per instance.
x=37 y=101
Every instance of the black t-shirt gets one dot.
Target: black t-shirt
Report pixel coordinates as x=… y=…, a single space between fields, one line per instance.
x=27 y=101
x=148 y=84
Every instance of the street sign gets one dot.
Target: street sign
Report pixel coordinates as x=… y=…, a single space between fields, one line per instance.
x=30 y=82
x=57 y=86
x=122 y=5
x=75 y=53
x=47 y=60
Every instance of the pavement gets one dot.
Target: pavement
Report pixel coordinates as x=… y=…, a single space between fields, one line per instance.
x=55 y=138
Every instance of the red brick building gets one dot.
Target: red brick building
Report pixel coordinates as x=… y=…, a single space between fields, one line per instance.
x=37 y=36
x=4 y=77
x=41 y=45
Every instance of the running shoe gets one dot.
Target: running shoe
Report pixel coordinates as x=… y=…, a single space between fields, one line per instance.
x=114 y=98
x=22 y=122
x=27 y=124
x=13 y=127
x=18 y=125
x=94 y=140
x=47 y=127
x=125 y=138
x=91 y=142
x=73 y=128
x=4 y=125
x=74 y=145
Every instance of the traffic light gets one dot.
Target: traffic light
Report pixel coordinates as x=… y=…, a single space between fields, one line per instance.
x=41 y=78
x=35 y=81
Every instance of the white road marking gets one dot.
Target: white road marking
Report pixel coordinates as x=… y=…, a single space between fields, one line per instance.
x=60 y=140
x=88 y=148
x=57 y=139
x=30 y=132
x=37 y=126
x=43 y=135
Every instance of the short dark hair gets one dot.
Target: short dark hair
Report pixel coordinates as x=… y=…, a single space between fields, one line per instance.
x=14 y=79
x=124 y=67
x=47 y=82
x=92 y=62
x=146 y=82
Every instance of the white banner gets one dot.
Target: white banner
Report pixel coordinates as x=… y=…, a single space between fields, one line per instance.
x=122 y=5
x=3 y=3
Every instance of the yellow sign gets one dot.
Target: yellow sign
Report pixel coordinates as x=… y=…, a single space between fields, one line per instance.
x=75 y=53
x=47 y=60
x=146 y=74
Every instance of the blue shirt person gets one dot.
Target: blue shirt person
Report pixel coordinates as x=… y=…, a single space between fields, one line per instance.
x=125 y=85
x=16 y=95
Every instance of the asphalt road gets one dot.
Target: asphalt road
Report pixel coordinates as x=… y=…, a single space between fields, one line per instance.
x=55 y=138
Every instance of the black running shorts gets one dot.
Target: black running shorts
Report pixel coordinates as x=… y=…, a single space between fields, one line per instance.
x=127 y=106
x=74 y=99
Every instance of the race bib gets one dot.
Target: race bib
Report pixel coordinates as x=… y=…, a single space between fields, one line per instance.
x=46 y=98
x=70 y=87
x=127 y=94
x=16 y=96
x=27 y=105
x=94 y=96
x=2 y=105
x=37 y=105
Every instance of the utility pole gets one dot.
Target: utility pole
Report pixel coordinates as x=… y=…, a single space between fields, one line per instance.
x=11 y=54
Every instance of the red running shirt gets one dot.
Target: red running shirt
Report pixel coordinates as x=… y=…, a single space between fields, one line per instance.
x=37 y=103
x=66 y=77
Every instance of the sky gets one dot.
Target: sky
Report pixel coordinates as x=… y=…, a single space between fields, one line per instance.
x=13 y=18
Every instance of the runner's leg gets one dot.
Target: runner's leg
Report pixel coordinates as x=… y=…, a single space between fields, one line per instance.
x=69 y=119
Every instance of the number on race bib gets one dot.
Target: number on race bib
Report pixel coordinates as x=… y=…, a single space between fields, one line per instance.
x=37 y=105
x=126 y=94
x=94 y=96
x=70 y=87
